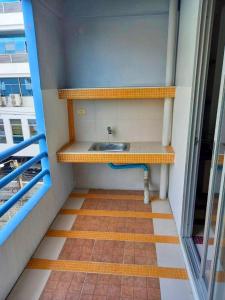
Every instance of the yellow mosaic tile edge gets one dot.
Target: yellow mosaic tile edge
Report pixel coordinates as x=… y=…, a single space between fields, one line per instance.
x=151 y=158
x=114 y=236
x=107 y=268
x=116 y=213
x=118 y=93
x=71 y=127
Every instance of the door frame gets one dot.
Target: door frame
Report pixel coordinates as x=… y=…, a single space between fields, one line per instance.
x=199 y=84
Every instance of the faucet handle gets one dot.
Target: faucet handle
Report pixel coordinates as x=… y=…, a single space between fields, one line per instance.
x=109 y=130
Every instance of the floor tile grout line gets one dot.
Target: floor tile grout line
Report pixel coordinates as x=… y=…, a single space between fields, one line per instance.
x=114 y=236
x=116 y=213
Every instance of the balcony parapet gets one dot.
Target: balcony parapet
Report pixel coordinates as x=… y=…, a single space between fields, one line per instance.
x=44 y=175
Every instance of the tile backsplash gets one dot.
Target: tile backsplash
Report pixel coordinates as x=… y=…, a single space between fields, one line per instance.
x=131 y=120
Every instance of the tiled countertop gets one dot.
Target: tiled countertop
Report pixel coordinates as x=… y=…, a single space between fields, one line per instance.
x=136 y=147
x=140 y=152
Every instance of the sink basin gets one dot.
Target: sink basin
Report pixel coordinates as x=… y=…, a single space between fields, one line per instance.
x=110 y=147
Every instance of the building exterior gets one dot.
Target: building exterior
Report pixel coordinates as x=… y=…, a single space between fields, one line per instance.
x=17 y=116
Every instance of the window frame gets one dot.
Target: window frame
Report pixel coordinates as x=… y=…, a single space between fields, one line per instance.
x=30 y=125
x=2 y=135
x=14 y=136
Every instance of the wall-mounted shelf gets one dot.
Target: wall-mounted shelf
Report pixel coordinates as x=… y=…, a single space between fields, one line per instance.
x=135 y=93
x=147 y=152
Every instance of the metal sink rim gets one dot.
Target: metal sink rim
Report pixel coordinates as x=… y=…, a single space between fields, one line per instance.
x=96 y=147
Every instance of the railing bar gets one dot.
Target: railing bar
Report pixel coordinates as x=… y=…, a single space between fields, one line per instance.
x=8 y=152
x=11 y=176
x=15 y=198
x=10 y=227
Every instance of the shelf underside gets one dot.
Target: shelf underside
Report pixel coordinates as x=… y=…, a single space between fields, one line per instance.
x=135 y=93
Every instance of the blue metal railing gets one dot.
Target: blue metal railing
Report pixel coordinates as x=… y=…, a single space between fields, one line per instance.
x=9 y=152
x=16 y=197
x=8 y=229
x=8 y=178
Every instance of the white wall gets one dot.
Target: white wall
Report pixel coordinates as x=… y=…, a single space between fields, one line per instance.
x=182 y=104
x=16 y=252
x=101 y=176
x=116 y=51
x=116 y=44
x=88 y=8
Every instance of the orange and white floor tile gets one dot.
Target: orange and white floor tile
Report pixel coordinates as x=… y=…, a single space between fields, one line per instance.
x=107 y=245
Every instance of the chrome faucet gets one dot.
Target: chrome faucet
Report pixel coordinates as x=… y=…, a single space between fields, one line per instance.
x=109 y=130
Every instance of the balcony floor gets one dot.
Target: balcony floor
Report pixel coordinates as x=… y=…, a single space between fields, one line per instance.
x=107 y=245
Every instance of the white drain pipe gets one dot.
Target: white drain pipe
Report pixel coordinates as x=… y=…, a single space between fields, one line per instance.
x=168 y=102
x=146 y=187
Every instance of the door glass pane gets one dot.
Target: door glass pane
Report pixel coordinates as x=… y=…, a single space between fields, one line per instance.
x=206 y=141
x=216 y=183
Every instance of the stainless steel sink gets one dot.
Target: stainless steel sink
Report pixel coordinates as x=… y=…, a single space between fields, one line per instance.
x=110 y=147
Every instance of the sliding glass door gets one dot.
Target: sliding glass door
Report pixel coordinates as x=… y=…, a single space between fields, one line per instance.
x=213 y=255
x=203 y=229
x=213 y=263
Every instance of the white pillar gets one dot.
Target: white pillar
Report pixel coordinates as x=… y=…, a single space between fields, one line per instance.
x=168 y=103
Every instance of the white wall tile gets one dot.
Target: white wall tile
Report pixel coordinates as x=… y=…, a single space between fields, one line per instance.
x=130 y=120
